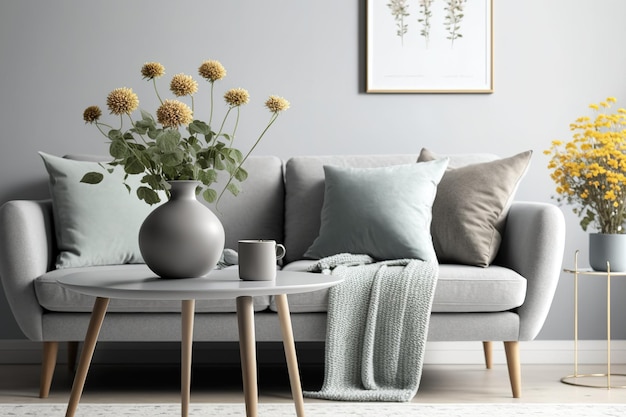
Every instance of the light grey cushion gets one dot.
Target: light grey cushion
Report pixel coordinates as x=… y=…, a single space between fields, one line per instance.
x=95 y=224
x=383 y=212
x=460 y=289
x=470 y=208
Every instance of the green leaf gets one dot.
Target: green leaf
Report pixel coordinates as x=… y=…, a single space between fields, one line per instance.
x=148 y=195
x=209 y=195
x=173 y=158
x=207 y=177
x=168 y=140
x=92 y=178
x=154 y=133
x=146 y=116
x=198 y=126
x=218 y=163
x=118 y=149
x=192 y=140
x=154 y=181
x=133 y=165
x=236 y=154
x=234 y=188
x=115 y=134
x=241 y=174
x=143 y=126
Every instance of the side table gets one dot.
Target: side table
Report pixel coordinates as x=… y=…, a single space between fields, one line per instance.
x=222 y=284
x=574 y=379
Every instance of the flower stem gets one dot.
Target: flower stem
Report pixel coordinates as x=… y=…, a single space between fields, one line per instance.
x=211 y=110
x=232 y=137
x=217 y=135
x=156 y=90
x=230 y=179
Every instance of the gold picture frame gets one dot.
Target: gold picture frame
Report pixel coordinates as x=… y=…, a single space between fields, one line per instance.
x=429 y=46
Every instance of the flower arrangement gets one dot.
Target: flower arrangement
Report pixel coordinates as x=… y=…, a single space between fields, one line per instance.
x=177 y=146
x=590 y=170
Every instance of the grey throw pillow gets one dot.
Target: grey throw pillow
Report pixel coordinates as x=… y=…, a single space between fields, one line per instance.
x=95 y=224
x=470 y=208
x=383 y=212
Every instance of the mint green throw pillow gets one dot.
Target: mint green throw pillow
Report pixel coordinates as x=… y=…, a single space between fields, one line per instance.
x=94 y=224
x=383 y=212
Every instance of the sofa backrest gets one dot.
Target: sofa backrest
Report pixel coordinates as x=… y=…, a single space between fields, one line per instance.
x=304 y=190
x=258 y=211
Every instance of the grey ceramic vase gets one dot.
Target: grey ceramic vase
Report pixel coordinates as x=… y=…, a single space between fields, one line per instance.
x=603 y=248
x=181 y=238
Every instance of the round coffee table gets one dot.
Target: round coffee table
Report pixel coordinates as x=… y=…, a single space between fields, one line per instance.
x=219 y=284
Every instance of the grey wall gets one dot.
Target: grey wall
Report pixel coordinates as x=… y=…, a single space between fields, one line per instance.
x=551 y=59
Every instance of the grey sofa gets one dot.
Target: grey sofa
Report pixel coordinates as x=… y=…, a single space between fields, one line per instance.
x=507 y=301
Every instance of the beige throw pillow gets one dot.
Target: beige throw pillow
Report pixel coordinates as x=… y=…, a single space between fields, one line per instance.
x=470 y=208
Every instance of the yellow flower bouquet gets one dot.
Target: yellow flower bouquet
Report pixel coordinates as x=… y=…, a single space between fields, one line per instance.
x=177 y=145
x=590 y=170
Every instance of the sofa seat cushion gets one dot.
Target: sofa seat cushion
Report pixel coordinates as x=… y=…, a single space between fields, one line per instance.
x=460 y=289
x=53 y=297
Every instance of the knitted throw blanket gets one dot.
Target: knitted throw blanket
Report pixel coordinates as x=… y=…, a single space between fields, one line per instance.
x=377 y=326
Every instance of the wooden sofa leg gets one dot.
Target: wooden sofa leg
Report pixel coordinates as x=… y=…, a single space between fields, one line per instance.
x=488 y=349
x=72 y=354
x=50 y=350
x=511 y=350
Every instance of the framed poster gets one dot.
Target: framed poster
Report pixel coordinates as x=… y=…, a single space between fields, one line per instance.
x=429 y=46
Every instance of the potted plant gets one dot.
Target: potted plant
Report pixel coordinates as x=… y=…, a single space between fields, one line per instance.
x=178 y=155
x=590 y=174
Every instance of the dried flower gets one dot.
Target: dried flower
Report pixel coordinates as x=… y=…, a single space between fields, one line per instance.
x=173 y=113
x=590 y=170
x=276 y=104
x=212 y=70
x=173 y=146
x=183 y=85
x=152 y=70
x=237 y=97
x=92 y=114
x=122 y=101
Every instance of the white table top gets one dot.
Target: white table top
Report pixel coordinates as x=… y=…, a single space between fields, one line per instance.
x=219 y=284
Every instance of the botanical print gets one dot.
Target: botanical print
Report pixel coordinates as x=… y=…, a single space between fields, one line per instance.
x=399 y=10
x=429 y=46
x=454 y=15
x=426 y=12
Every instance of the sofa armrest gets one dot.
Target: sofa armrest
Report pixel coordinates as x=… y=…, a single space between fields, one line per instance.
x=26 y=252
x=532 y=245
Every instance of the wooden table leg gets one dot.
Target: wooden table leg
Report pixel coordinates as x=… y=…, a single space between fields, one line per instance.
x=188 y=312
x=245 y=321
x=95 y=323
x=290 y=352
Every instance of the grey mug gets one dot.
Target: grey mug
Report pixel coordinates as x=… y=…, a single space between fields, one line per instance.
x=257 y=259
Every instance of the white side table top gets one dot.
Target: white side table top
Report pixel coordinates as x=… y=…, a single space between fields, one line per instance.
x=218 y=284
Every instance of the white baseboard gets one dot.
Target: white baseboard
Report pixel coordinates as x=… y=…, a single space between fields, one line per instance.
x=557 y=352
x=441 y=353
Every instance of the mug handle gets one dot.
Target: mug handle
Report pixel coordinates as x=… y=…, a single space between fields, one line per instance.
x=280 y=251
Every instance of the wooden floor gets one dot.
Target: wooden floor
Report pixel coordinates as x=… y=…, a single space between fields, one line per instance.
x=160 y=384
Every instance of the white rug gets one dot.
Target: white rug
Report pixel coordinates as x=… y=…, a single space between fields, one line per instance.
x=331 y=409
